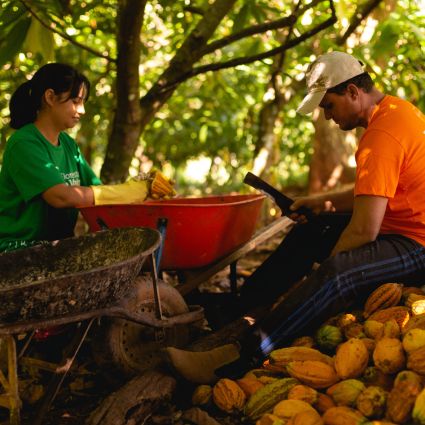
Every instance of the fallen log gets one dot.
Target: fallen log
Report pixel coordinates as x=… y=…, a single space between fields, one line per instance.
x=135 y=401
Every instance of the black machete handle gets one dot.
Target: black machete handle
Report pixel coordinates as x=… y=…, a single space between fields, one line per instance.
x=281 y=200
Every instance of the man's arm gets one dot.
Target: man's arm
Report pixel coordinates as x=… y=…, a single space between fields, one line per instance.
x=341 y=201
x=365 y=223
x=64 y=196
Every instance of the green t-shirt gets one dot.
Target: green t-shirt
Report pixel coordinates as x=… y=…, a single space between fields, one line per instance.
x=31 y=165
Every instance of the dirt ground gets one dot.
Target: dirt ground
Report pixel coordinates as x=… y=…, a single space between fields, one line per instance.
x=88 y=384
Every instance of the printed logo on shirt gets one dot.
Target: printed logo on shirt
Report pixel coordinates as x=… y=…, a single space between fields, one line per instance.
x=71 y=179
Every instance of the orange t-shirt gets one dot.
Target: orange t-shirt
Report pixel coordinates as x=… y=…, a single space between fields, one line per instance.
x=391 y=163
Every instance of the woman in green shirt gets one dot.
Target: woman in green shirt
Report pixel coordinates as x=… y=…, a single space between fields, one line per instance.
x=44 y=176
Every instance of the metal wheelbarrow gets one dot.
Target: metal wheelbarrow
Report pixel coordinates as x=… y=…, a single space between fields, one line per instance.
x=72 y=280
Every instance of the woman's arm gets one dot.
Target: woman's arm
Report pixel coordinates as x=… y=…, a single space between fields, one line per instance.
x=64 y=196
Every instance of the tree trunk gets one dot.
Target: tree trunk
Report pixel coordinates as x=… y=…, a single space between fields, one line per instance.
x=131 y=120
x=127 y=120
x=330 y=164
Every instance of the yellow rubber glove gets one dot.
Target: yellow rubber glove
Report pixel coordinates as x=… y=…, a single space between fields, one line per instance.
x=130 y=192
x=161 y=186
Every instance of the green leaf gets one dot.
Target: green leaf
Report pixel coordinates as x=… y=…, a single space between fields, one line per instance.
x=387 y=40
x=14 y=40
x=40 y=40
x=241 y=18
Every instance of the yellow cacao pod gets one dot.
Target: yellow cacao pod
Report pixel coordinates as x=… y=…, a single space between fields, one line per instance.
x=283 y=356
x=391 y=329
x=388 y=355
x=201 y=395
x=373 y=329
x=285 y=409
x=228 y=395
x=418 y=413
x=345 y=393
x=413 y=339
x=371 y=402
x=351 y=359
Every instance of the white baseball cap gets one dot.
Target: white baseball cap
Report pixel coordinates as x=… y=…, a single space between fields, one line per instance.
x=325 y=72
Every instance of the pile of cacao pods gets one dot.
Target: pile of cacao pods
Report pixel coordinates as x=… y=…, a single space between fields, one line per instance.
x=360 y=368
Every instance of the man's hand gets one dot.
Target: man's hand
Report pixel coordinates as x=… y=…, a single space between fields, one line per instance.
x=341 y=201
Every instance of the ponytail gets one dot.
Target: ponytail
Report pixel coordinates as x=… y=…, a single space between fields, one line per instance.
x=27 y=100
x=23 y=109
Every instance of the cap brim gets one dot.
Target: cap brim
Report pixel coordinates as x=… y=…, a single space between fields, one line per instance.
x=311 y=102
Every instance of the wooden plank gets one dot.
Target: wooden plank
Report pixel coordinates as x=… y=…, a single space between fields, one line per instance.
x=196 y=277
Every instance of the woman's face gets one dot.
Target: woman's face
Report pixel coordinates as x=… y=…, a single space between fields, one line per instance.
x=66 y=112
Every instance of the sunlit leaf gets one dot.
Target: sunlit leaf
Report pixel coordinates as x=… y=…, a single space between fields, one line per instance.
x=14 y=39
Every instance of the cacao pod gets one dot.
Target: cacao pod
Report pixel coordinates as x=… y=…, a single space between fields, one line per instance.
x=388 y=355
x=328 y=337
x=386 y=295
x=306 y=418
x=201 y=395
x=285 y=409
x=401 y=398
x=228 y=395
x=313 y=373
x=342 y=415
x=413 y=339
x=263 y=400
x=399 y=313
x=304 y=393
x=351 y=359
x=372 y=401
x=345 y=393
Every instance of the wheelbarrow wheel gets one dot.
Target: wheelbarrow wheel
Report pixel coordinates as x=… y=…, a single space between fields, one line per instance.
x=135 y=348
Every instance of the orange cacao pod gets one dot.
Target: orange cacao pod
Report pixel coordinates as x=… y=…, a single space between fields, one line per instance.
x=306 y=418
x=342 y=415
x=228 y=395
x=401 y=398
x=313 y=373
x=304 y=393
x=386 y=295
x=323 y=403
x=399 y=313
x=249 y=385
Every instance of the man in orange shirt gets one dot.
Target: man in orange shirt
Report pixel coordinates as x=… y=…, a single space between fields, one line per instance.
x=383 y=238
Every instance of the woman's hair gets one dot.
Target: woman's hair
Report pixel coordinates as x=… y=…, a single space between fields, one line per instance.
x=26 y=101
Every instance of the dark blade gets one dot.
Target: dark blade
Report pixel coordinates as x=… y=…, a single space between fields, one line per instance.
x=281 y=200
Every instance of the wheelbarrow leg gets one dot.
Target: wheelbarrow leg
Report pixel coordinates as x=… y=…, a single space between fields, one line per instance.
x=55 y=383
x=11 y=399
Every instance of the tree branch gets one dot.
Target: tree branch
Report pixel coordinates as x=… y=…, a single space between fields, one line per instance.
x=249 y=59
x=259 y=29
x=361 y=13
x=65 y=36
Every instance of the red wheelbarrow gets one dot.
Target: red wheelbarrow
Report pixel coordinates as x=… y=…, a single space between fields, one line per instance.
x=202 y=237
x=199 y=230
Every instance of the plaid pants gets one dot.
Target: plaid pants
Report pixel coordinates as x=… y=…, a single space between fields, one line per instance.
x=340 y=281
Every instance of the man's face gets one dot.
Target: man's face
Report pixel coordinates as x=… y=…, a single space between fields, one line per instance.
x=344 y=109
